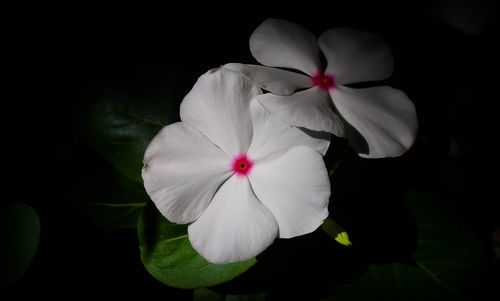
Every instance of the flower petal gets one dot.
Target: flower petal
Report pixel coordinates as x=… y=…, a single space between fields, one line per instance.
x=295 y=188
x=280 y=43
x=272 y=136
x=235 y=227
x=311 y=109
x=356 y=56
x=276 y=81
x=384 y=116
x=218 y=106
x=182 y=170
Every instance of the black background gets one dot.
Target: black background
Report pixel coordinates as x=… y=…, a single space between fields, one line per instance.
x=62 y=53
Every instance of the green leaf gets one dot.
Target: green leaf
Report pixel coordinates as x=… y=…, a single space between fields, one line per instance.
x=113 y=202
x=204 y=294
x=121 y=124
x=448 y=262
x=168 y=255
x=19 y=236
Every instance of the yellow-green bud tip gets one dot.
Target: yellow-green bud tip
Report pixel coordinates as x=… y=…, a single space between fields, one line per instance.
x=335 y=231
x=343 y=239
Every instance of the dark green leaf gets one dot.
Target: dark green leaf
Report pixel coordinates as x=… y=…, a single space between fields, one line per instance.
x=121 y=123
x=168 y=255
x=204 y=294
x=19 y=236
x=448 y=263
x=113 y=201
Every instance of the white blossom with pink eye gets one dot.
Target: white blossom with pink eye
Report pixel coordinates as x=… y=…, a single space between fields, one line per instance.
x=239 y=177
x=378 y=121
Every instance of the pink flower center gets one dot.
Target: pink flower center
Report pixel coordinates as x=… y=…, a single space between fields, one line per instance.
x=242 y=165
x=324 y=81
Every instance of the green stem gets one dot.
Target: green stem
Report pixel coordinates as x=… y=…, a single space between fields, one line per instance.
x=330 y=174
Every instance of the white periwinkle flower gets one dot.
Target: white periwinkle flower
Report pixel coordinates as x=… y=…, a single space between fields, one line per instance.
x=384 y=116
x=238 y=176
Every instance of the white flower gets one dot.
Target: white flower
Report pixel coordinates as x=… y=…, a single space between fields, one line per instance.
x=384 y=116
x=238 y=176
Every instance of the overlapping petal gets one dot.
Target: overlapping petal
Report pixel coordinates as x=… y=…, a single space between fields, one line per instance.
x=235 y=226
x=309 y=108
x=384 y=116
x=272 y=137
x=280 y=43
x=218 y=106
x=295 y=188
x=355 y=56
x=276 y=81
x=182 y=170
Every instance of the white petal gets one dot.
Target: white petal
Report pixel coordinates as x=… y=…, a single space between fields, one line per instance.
x=356 y=56
x=280 y=43
x=218 y=105
x=276 y=81
x=272 y=136
x=182 y=170
x=311 y=109
x=295 y=188
x=384 y=116
x=235 y=227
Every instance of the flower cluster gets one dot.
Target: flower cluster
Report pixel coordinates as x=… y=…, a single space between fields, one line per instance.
x=241 y=170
